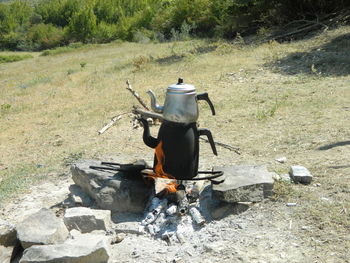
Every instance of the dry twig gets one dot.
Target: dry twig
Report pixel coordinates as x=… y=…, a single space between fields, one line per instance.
x=136 y=95
x=110 y=124
x=147 y=114
x=226 y=146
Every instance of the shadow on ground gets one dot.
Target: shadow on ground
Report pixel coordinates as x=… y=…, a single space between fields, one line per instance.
x=332 y=145
x=330 y=59
x=196 y=51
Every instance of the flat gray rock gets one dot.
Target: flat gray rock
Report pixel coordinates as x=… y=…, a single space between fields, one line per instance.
x=86 y=248
x=87 y=220
x=111 y=190
x=6 y=254
x=300 y=174
x=8 y=234
x=41 y=228
x=243 y=183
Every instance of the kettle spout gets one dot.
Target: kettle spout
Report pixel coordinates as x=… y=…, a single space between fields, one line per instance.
x=155 y=107
x=147 y=138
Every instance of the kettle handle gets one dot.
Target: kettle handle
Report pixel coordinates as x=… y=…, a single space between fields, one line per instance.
x=205 y=96
x=207 y=133
x=147 y=138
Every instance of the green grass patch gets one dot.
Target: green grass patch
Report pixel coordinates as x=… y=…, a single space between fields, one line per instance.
x=13 y=58
x=66 y=49
x=18 y=179
x=35 y=81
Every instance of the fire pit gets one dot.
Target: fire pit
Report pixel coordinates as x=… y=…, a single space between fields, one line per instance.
x=175 y=165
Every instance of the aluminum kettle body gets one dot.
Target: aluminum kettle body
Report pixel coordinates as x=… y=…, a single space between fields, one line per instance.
x=181 y=103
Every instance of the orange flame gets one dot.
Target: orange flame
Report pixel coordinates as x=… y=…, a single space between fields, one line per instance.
x=159 y=171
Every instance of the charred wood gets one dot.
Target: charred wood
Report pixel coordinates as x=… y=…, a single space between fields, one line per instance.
x=153 y=215
x=183 y=203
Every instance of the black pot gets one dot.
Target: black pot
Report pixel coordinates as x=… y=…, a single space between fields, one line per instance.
x=180 y=144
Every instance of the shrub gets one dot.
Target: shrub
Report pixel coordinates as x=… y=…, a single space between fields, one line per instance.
x=59 y=50
x=105 y=32
x=45 y=36
x=82 y=26
x=13 y=58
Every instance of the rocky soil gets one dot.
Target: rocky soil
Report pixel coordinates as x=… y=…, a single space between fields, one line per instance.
x=266 y=232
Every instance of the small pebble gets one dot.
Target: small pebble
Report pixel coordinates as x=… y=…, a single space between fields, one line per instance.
x=281 y=159
x=291 y=204
x=118 y=238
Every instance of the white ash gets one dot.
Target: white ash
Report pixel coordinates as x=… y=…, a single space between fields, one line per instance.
x=173 y=222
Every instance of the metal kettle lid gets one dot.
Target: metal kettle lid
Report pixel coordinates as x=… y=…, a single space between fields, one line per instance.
x=181 y=87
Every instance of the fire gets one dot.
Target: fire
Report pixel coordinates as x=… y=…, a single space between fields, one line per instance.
x=170 y=185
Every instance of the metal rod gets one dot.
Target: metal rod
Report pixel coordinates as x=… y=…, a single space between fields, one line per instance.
x=105 y=168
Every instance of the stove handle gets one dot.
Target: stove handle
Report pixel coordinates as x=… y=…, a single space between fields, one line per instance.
x=205 y=96
x=207 y=133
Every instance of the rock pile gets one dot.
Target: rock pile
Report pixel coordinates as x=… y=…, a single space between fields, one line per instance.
x=8 y=241
x=46 y=238
x=86 y=235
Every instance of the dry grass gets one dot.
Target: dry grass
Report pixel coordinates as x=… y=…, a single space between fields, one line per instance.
x=269 y=103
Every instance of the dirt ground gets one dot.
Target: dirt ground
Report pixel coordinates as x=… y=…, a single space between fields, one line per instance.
x=269 y=231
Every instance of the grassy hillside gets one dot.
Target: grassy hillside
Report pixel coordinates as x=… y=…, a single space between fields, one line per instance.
x=272 y=100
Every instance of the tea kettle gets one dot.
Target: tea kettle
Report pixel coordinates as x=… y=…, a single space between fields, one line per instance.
x=180 y=104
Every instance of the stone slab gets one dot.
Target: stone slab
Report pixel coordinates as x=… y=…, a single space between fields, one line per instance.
x=86 y=248
x=300 y=174
x=243 y=183
x=87 y=220
x=111 y=190
x=41 y=228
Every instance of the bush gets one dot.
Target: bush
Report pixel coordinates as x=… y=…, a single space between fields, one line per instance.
x=82 y=26
x=45 y=36
x=59 y=50
x=105 y=32
x=13 y=58
x=33 y=25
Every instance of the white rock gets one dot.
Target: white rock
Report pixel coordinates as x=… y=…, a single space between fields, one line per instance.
x=41 y=228
x=300 y=174
x=5 y=254
x=281 y=159
x=87 y=220
x=86 y=248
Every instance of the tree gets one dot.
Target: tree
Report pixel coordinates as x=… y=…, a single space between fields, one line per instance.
x=83 y=24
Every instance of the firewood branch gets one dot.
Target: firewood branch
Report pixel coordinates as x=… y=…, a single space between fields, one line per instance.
x=226 y=146
x=111 y=123
x=136 y=95
x=147 y=114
